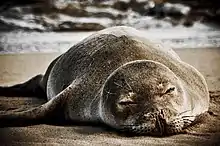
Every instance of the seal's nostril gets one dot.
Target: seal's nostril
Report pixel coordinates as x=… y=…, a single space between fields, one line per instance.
x=162 y=113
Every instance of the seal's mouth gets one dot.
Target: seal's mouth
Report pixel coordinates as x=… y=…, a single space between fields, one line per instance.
x=158 y=126
x=155 y=126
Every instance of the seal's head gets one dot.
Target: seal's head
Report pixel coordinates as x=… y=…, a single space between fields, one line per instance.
x=144 y=97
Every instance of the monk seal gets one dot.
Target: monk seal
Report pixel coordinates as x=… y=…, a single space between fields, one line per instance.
x=120 y=78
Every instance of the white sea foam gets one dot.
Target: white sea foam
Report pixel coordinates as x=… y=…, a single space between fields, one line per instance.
x=179 y=37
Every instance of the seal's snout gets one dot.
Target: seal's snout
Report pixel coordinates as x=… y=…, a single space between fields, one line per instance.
x=156 y=121
x=152 y=123
x=161 y=123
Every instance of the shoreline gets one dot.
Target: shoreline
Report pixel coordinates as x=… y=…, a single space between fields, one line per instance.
x=59 y=52
x=206 y=60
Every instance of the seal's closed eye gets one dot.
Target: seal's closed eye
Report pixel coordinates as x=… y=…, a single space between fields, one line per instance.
x=171 y=89
x=127 y=102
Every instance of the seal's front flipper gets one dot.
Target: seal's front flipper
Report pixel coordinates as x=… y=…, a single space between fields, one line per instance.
x=48 y=112
x=31 y=88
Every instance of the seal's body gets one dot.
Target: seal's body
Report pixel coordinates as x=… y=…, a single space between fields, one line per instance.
x=119 y=78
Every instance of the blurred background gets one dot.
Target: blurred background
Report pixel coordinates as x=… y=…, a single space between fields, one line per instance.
x=55 y=25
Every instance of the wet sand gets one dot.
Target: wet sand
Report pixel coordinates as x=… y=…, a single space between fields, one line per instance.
x=20 y=67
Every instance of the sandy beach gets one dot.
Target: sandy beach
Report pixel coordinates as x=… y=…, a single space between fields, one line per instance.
x=16 y=68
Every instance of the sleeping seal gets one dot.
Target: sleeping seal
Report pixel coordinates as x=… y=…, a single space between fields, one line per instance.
x=119 y=78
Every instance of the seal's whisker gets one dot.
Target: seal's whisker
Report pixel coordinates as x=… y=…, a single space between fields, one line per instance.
x=187 y=120
x=118 y=84
x=128 y=85
x=184 y=120
x=187 y=123
x=187 y=116
x=108 y=92
x=181 y=119
x=183 y=112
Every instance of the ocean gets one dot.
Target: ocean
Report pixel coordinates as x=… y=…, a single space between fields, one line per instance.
x=179 y=37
